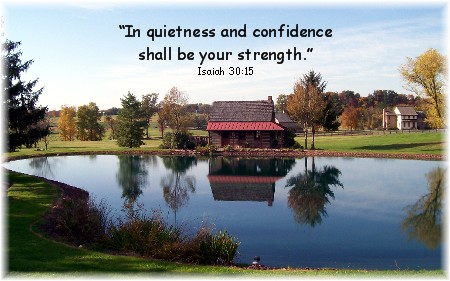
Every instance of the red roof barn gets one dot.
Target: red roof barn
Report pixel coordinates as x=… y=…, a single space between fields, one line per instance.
x=245 y=124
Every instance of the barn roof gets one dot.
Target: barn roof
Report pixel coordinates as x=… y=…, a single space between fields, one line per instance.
x=242 y=111
x=243 y=126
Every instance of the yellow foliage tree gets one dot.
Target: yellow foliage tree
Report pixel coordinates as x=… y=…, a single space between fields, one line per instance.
x=426 y=75
x=66 y=123
x=306 y=104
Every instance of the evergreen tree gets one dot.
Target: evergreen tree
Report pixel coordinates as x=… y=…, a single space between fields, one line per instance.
x=332 y=111
x=130 y=122
x=24 y=115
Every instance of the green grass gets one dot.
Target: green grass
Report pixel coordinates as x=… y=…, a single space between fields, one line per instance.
x=29 y=254
x=409 y=143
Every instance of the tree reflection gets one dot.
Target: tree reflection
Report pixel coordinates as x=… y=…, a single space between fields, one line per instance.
x=42 y=167
x=132 y=176
x=424 y=218
x=311 y=191
x=177 y=185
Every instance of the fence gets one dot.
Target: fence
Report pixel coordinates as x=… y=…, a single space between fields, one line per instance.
x=370 y=132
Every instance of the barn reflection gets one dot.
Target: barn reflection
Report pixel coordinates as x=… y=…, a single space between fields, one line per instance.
x=242 y=179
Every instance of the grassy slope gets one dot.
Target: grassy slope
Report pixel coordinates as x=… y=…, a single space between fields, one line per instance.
x=421 y=143
x=31 y=255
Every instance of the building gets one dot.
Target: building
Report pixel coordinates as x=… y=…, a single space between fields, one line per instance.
x=245 y=124
x=402 y=118
x=284 y=120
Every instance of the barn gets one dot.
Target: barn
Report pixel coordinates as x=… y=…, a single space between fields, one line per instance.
x=245 y=124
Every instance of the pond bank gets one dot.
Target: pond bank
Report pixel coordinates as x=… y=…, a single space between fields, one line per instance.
x=249 y=153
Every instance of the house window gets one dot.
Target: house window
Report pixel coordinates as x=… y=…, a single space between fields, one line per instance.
x=257 y=135
x=242 y=135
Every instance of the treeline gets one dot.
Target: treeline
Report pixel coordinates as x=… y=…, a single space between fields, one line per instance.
x=130 y=123
x=352 y=111
x=199 y=112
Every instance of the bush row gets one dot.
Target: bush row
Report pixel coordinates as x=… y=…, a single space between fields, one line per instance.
x=81 y=221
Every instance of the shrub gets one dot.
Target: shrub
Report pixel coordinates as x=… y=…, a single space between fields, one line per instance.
x=297 y=145
x=79 y=220
x=149 y=237
x=177 y=140
x=207 y=149
x=219 y=248
x=228 y=148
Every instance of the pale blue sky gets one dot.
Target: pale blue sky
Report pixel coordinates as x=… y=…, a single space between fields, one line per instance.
x=80 y=54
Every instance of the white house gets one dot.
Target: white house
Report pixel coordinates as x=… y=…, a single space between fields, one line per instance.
x=402 y=118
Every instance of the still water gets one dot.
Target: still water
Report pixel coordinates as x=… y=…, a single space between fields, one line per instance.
x=306 y=212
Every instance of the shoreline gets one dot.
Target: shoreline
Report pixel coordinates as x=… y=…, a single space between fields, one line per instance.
x=246 y=153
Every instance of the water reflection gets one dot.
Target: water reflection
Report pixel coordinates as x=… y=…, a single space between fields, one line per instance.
x=42 y=167
x=310 y=192
x=237 y=179
x=131 y=176
x=177 y=185
x=424 y=218
x=359 y=227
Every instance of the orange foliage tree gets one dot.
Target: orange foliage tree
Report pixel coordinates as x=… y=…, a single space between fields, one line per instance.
x=350 y=117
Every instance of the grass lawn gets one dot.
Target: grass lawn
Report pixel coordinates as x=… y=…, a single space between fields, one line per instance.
x=415 y=142
x=412 y=143
x=31 y=255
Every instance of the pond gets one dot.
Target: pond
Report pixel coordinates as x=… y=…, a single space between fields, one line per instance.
x=357 y=213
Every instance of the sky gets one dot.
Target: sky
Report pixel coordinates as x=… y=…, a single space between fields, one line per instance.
x=82 y=55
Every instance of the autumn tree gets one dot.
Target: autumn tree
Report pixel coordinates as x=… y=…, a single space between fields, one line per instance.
x=88 y=127
x=306 y=104
x=130 y=122
x=20 y=99
x=425 y=75
x=149 y=108
x=66 y=123
x=161 y=122
x=173 y=110
x=350 y=117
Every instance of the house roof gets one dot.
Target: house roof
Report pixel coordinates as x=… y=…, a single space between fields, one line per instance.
x=243 y=126
x=283 y=118
x=406 y=110
x=242 y=111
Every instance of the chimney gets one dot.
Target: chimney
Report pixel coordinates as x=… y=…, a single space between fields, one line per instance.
x=269 y=99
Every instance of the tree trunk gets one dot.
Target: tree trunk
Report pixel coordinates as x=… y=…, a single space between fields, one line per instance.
x=306 y=136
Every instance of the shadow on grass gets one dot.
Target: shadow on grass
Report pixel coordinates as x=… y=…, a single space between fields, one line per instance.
x=398 y=146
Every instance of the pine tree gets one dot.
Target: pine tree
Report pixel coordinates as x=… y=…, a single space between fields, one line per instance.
x=130 y=122
x=24 y=115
